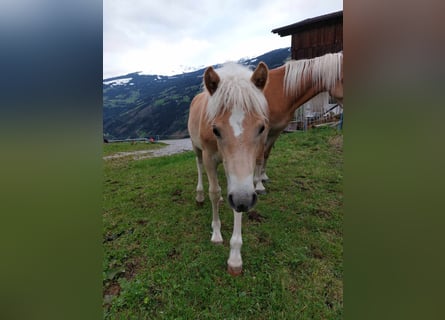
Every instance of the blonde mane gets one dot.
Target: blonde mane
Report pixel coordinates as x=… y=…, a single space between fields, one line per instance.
x=325 y=71
x=236 y=92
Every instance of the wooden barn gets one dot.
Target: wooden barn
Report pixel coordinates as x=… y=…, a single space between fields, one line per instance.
x=315 y=37
x=312 y=38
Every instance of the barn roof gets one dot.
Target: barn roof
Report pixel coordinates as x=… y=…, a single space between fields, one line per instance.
x=309 y=23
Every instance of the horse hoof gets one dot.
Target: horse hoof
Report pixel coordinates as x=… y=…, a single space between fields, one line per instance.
x=199 y=203
x=234 y=271
x=218 y=243
x=261 y=191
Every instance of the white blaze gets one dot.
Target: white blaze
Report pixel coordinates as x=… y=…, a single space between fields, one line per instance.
x=236 y=184
x=236 y=121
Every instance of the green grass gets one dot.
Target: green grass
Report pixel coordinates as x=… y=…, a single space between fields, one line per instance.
x=115 y=147
x=159 y=262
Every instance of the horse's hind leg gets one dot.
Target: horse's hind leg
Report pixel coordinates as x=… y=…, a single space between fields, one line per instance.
x=270 y=143
x=259 y=187
x=199 y=188
x=257 y=180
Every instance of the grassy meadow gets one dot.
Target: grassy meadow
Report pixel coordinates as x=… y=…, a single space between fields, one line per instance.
x=159 y=262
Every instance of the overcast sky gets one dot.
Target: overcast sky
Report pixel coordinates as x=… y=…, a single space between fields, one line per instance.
x=164 y=36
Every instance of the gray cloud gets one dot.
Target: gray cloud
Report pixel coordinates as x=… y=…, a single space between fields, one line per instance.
x=157 y=36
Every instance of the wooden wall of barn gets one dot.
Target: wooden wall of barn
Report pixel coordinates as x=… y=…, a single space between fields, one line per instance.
x=315 y=42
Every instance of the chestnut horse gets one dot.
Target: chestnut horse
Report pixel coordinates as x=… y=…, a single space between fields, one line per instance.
x=292 y=85
x=228 y=123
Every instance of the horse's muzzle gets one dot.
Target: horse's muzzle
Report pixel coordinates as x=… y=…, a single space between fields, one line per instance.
x=242 y=202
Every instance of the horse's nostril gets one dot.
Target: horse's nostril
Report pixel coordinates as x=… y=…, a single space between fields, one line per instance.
x=242 y=204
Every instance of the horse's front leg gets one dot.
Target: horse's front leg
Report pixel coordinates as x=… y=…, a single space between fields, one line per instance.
x=215 y=196
x=235 y=262
x=199 y=187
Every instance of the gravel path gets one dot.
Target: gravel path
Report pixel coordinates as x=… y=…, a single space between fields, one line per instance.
x=173 y=147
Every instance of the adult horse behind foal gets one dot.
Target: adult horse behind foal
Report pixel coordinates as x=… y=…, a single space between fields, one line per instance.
x=292 y=85
x=228 y=123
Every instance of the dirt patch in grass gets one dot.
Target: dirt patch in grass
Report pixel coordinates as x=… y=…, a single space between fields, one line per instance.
x=316 y=252
x=113 y=236
x=255 y=216
x=323 y=213
x=303 y=185
x=113 y=289
x=333 y=294
x=177 y=196
x=173 y=253
x=133 y=267
x=141 y=222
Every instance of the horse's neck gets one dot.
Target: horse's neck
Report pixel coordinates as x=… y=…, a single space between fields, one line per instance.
x=282 y=106
x=303 y=97
x=305 y=92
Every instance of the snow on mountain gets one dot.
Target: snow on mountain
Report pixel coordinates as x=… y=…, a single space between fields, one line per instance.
x=118 y=82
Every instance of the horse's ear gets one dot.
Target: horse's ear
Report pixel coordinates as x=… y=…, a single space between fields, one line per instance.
x=211 y=80
x=259 y=76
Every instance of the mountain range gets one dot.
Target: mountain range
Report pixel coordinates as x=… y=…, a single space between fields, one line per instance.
x=136 y=105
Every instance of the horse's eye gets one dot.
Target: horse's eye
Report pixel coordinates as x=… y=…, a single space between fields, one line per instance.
x=216 y=132
x=262 y=129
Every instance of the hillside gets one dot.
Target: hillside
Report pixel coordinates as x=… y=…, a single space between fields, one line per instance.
x=138 y=106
